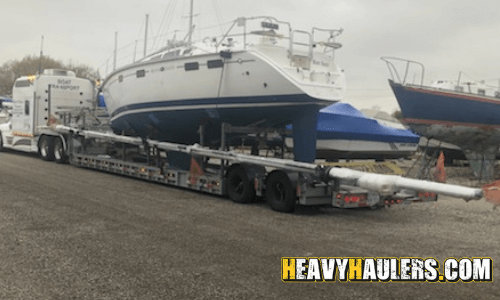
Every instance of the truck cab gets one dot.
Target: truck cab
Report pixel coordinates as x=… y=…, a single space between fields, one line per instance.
x=41 y=100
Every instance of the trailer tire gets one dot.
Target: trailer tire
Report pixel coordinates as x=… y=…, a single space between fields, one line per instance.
x=60 y=155
x=280 y=193
x=239 y=186
x=46 y=148
x=1 y=143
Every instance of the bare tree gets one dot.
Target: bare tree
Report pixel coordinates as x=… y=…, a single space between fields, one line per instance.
x=30 y=65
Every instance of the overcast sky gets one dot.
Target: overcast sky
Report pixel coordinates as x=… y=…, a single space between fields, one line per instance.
x=446 y=36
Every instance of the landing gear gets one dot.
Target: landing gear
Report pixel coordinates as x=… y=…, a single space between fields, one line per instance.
x=280 y=193
x=46 y=148
x=239 y=187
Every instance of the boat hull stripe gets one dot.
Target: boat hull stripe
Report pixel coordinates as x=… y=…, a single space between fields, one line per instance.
x=214 y=103
x=452 y=94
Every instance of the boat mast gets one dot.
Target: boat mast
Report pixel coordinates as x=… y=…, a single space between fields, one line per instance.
x=116 y=46
x=146 y=35
x=190 y=31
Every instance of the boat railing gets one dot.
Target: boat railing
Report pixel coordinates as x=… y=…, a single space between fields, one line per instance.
x=296 y=44
x=330 y=45
x=268 y=23
x=301 y=43
x=409 y=65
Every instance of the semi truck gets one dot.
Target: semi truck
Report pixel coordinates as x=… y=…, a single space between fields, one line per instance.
x=56 y=115
x=40 y=100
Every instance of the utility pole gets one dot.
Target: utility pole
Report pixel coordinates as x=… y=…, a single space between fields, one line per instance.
x=40 y=60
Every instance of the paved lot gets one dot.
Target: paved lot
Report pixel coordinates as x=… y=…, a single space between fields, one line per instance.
x=71 y=233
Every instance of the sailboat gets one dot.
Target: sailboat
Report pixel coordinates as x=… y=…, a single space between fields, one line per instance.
x=464 y=114
x=261 y=72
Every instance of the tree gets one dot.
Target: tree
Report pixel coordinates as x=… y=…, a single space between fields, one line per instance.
x=31 y=65
x=84 y=71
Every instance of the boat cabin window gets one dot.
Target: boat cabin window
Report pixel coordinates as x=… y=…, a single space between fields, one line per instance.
x=211 y=64
x=191 y=66
x=140 y=73
x=27 y=107
x=481 y=92
x=22 y=83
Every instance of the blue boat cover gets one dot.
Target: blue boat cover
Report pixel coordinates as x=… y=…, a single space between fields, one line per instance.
x=102 y=102
x=343 y=121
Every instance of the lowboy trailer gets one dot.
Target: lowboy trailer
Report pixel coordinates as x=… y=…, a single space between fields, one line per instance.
x=71 y=132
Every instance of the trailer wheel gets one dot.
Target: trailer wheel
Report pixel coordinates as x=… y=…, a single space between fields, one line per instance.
x=46 y=148
x=280 y=193
x=60 y=155
x=1 y=142
x=239 y=187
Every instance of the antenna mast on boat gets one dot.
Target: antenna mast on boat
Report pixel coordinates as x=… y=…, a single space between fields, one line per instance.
x=190 y=32
x=146 y=34
x=116 y=46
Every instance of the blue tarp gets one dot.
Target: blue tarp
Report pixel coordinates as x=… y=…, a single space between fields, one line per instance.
x=102 y=102
x=343 y=121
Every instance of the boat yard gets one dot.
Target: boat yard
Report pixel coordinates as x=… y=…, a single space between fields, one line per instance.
x=233 y=165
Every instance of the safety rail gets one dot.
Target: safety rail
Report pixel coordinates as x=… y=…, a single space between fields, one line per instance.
x=294 y=43
x=270 y=26
x=409 y=63
x=330 y=43
x=267 y=22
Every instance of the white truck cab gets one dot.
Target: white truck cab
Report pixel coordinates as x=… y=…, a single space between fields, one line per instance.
x=38 y=101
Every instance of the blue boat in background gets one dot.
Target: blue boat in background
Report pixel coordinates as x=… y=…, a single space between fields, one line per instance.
x=343 y=132
x=460 y=112
x=6 y=101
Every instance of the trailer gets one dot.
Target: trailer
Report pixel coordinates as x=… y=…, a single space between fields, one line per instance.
x=73 y=132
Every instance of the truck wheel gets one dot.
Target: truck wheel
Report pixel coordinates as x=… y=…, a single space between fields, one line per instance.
x=60 y=155
x=239 y=187
x=46 y=148
x=280 y=193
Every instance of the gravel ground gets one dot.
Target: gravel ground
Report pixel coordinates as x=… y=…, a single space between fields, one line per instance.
x=72 y=233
